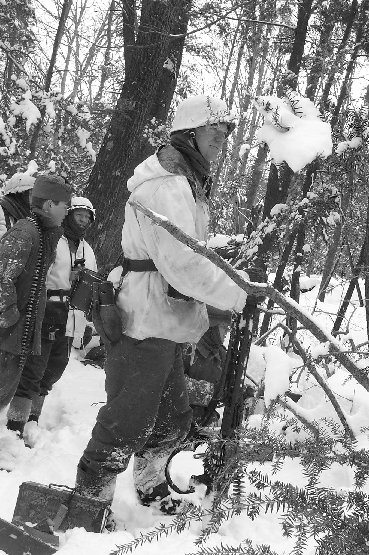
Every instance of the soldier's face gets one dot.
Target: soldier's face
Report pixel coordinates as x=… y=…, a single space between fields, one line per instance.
x=56 y=211
x=210 y=139
x=82 y=217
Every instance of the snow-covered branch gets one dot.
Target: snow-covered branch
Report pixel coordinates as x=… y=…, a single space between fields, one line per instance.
x=260 y=289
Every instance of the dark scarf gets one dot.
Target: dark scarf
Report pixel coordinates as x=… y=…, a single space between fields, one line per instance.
x=16 y=204
x=72 y=231
x=201 y=167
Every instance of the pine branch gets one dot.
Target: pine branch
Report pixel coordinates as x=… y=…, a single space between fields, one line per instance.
x=181 y=521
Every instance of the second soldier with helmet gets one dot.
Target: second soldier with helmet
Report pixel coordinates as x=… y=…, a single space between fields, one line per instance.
x=62 y=326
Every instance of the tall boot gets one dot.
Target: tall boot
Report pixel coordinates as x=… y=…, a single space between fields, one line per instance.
x=18 y=414
x=36 y=409
x=99 y=484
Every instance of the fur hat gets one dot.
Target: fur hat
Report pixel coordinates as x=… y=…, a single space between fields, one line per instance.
x=18 y=183
x=51 y=187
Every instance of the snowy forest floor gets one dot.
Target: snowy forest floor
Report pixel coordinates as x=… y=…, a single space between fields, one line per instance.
x=65 y=426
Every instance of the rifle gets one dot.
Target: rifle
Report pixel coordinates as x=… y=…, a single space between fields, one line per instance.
x=231 y=389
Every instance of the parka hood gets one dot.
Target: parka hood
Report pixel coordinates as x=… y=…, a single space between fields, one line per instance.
x=147 y=170
x=166 y=161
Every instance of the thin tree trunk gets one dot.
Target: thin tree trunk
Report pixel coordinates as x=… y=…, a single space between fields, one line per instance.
x=257 y=172
x=360 y=33
x=317 y=68
x=82 y=68
x=339 y=56
x=107 y=55
x=361 y=265
x=59 y=34
x=223 y=154
x=71 y=40
x=331 y=257
x=279 y=181
x=300 y=241
x=278 y=280
x=230 y=58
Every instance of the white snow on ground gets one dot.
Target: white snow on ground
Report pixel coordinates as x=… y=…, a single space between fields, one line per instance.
x=70 y=412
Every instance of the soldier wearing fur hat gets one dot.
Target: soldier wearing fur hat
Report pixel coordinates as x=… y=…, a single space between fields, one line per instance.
x=62 y=326
x=26 y=253
x=15 y=203
x=163 y=292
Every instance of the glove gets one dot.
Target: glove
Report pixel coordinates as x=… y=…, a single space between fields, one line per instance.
x=256 y=275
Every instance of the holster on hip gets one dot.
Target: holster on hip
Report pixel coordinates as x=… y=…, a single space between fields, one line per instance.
x=105 y=314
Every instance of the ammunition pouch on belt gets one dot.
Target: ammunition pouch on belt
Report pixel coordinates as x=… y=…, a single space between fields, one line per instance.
x=96 y=297
x=106 y=316
x=80 y=296
x=91 y=293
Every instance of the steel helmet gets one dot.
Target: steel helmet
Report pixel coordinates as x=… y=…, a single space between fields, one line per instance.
x=197 y=111
x=82 y=202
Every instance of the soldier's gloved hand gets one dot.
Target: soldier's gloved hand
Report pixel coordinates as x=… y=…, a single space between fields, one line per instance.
x=256 y=275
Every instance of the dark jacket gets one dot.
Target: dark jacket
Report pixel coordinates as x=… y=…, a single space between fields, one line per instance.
x=18 y=258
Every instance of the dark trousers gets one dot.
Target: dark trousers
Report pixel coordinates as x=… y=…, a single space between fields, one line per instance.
x=41 y=372
x=9 y=377
x=147 y=403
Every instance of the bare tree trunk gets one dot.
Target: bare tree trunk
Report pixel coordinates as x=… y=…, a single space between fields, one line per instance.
x=107 y=55
x=83 y=67
x=121 y=149
x=278 y=280
x=361 y=267
x=360 y=33
x=331 y=257
x=223 y=154
x=59 y=34
x=300 y=241
x=77 y=22
x=339 y=56
x=230 y=58
x=279 y=180
x=256 y=175
x=317 y=68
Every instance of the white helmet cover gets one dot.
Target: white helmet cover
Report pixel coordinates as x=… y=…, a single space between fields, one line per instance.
x=82 y=202
x=198 y=111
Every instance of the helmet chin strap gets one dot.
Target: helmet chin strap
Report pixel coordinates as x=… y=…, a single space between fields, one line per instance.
x=194 y=141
